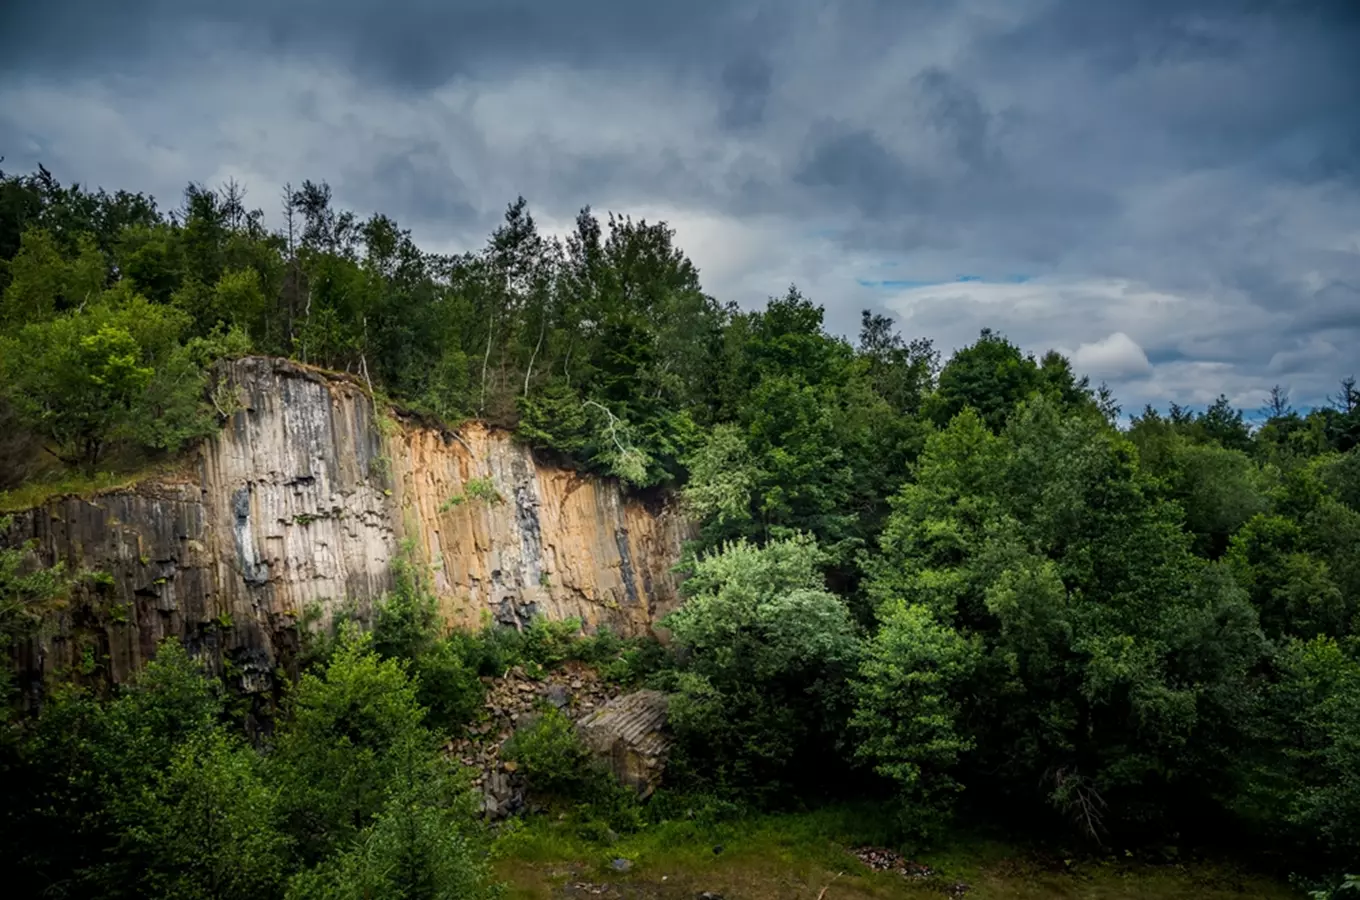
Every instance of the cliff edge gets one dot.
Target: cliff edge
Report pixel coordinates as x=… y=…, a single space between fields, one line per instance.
x=305 y=499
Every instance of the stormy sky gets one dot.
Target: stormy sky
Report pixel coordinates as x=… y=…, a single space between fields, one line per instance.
x=1166 y=190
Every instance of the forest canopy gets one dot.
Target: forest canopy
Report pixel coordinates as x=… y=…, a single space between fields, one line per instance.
x=970 y=586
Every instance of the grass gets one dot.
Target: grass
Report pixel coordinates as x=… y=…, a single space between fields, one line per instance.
x=797 y=856
x=62 y=482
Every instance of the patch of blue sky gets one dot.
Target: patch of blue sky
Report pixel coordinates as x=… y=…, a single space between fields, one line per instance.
x=900 y=284
x=894 y=284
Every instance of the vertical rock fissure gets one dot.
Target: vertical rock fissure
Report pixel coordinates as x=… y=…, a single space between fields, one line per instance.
x=626 y=566
x=530 y=536
x=252 y=571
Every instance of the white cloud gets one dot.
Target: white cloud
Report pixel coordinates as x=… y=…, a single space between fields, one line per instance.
x=1113 y=357
x=1119 y=329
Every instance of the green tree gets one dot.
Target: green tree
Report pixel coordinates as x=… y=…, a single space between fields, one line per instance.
x=108 y=374
x=1114 y=666
x=407 y=626
x=350 y=731
x=991 y=376
x=82 y=770
x=207 y=826
x=1303 y=784
x=906 y=710
x=767 y=650
x=44 y=281
x=1292 y=589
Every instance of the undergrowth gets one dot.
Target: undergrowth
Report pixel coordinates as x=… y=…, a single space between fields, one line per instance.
x=73 y=483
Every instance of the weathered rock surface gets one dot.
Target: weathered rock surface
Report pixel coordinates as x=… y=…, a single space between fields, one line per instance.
x=629 y=734
x=303 y=501
x=515 y=701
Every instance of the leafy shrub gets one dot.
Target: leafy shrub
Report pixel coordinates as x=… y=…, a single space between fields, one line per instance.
x=762 y=694
x=448 y=685
x=560 y=770
x=553 y=759
x=548 y=643
x=478 y=489
x=351 y=729
x=208 y=825
x=420 y=846
x=84 y=768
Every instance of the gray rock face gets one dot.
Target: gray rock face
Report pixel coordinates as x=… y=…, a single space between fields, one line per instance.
x=629 y=734
x=302 y=501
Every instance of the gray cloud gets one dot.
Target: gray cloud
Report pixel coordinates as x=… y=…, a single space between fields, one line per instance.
x=746 y=86
x=1176 y=185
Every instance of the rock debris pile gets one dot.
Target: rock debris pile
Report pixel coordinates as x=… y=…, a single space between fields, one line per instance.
x=626 y=731
x=881 y=860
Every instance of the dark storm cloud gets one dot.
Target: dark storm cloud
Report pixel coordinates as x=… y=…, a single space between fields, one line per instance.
x=419 y=180
x=1177 y=180
x=409 y=43
x=746 y=89
x=854 y=167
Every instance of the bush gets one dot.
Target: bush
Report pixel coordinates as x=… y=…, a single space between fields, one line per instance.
x=549 y=643
x=762 y=698
x=352 y=729
x=420 y=847
x=448 y=685
x=554 y=761
x=83 y=770
x=208 y=825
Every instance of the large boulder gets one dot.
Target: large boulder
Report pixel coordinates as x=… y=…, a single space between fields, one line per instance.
x=629 y=734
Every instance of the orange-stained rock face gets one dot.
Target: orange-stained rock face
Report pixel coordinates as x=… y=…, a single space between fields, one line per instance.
x=303 y=502
x=550 y=541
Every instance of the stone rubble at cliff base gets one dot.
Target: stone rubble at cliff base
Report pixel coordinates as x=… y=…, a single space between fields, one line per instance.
x=515 y=701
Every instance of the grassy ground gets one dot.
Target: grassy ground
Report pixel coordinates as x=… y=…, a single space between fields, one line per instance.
x=57 y=482
x=807 y=856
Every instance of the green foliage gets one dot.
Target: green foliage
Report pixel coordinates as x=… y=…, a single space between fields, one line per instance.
x=482 y=489
x=421 y=846
x=448 y=685
x=1346 y=886
x=43 y=280
x=113 y=372
x=407 y=627
x=207 y=826
x=1293 y=590
x=1305 y=787
x=28 y=590
x=406 y=620
x=992 y=376
x=721 y=481
x=1046 y=548
x=905 y=704
x=150 y=795
x=561 y=772
x=350 y=730
x=1129 y=634
x=765 y=650
x=84 y=768
x=554 y=761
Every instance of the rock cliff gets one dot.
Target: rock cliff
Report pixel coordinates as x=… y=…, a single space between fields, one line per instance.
x=304 y=500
